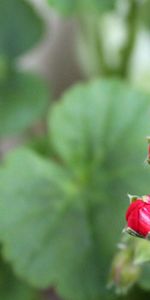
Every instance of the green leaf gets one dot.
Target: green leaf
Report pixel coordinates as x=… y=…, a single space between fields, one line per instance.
x=102 y=126
x=82 y=6
x=13 y=288
x=20 y=27
x=144 y=280
x=145 y=13
x=23 y=100
x=59 y=224
x=45 y=231
x=45 y=184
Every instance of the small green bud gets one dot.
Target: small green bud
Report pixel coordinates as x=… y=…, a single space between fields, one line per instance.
x=124 y=272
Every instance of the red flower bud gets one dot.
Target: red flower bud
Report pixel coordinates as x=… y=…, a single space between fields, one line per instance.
x=138 y=217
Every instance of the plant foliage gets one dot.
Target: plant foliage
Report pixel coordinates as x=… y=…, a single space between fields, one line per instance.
x=60 y=220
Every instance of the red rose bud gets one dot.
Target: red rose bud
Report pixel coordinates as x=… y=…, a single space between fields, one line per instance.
x=138 y=216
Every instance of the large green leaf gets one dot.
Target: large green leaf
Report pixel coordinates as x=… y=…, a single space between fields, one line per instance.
x=23 y=100
x=20 y=27
x=59 y=224
x=102 y=125
x=82 y=6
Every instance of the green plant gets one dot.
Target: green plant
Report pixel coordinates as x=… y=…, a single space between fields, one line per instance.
x=58 y=222
x=92 y=32
x=62 y=196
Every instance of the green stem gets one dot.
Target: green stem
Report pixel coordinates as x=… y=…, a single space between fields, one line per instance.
x=91 y=33
x=91 y=218
x=104 y=69
x=132 y=30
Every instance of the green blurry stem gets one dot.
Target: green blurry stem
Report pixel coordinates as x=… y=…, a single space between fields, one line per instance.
x=104 y=69
x=91 y=219
x=90 y=30
x=132 y=31
x=89 y=27
x=127 y=50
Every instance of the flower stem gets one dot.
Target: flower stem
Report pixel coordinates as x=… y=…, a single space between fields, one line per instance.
x=132 y=30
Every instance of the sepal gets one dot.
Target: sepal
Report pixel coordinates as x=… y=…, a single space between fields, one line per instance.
x=132 y=198
x=133 y=233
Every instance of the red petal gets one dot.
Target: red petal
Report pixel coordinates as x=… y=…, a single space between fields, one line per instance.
x=144 y=219
x=133 y=220
x=134 y=205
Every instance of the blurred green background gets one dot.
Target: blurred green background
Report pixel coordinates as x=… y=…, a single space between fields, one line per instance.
x=74 y=116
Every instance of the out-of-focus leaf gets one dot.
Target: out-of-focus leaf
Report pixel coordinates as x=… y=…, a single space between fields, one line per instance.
x=144 y=280
x=48 y=236
x=20 y=27
x=82 y=6
x=12 y=288
x=43 y=198
x=23 y=100
x=59 y=224
x=99 y=130
x=145 y=13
